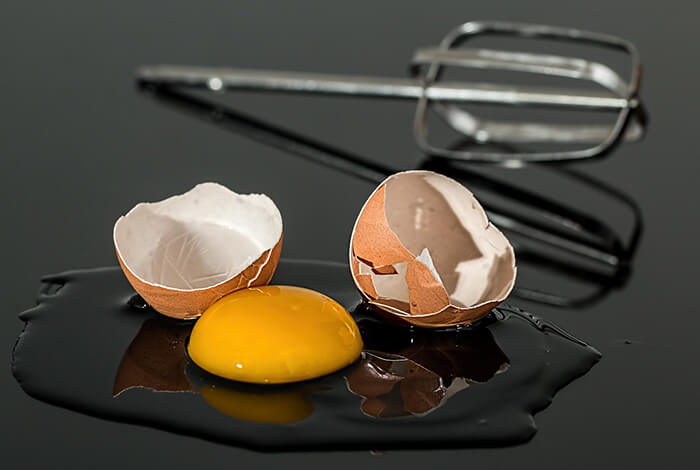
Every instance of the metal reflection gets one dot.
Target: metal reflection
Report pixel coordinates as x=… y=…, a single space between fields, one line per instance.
x=615 y=94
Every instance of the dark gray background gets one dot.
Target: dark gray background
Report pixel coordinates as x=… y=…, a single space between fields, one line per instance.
x=79 y=146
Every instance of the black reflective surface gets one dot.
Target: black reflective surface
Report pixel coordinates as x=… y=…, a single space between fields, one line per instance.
x=495 y=375
x=79 y=146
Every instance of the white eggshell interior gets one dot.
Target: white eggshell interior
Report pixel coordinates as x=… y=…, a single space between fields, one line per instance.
x=199 y=239
x=391 y=286
x=441 y=223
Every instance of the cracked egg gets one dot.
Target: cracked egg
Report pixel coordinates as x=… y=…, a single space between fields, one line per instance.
x=185 y=252
x=423 y=251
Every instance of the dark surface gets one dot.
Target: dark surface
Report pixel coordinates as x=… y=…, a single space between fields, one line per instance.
x=473 y=387
x=79 y=146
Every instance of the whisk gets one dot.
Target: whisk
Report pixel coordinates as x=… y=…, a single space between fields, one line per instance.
x=616 y=94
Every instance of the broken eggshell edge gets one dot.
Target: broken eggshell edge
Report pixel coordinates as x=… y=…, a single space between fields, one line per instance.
x=447 y=315
x=190 y=304
x=187 y=304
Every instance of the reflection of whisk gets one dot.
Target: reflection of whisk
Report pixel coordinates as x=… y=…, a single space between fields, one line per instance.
x=594 y=253
x=617 y=95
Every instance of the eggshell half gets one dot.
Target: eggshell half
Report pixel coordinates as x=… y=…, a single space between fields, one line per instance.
x=184 y=253
x=423 y=251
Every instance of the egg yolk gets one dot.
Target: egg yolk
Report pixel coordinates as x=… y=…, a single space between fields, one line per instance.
x=274 y=334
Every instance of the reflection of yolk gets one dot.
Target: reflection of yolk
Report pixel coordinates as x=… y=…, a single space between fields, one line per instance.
x=274 y=407
x=274 y=334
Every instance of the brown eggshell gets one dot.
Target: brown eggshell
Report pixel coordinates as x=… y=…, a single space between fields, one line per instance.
x=364 y=280
x=427 y=294
x=436 y=261
x=447 y=317
x=374 y=242
x=385 y=270
x=188 y=304
x=185 y=252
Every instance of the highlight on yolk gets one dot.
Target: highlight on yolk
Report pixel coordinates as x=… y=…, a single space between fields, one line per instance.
x=273 y=335
x=273 y=407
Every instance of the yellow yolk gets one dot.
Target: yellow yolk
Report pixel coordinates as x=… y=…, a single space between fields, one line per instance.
x=274 y=334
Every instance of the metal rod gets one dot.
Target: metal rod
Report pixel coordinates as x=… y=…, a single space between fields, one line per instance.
x=222 y=78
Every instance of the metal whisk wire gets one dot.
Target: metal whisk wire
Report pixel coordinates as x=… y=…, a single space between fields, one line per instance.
x=428 y=64
x=618 y=95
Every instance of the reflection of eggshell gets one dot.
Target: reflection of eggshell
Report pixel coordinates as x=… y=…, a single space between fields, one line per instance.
x=412 y=372
x=422 y=390
x=155 y=359
x=422 y=249
x=393 y=386
x=184 y=253
x=370 y=379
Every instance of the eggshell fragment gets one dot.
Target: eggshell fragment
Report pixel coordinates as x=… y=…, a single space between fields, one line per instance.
x=425 y=291
x=184 y=253
x=363 y=279
x=423 y=250
x=376 y=243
